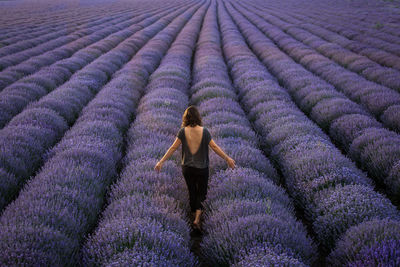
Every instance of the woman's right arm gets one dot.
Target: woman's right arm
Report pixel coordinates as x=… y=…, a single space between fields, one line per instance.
x=221 y=153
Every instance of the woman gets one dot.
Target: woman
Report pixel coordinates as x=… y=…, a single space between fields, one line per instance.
x=195 y=140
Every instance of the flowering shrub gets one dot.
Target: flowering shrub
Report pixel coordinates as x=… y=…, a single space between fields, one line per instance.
x=325 y=105
x=245 y=208
x=145 y=221
x=372 y=242
x=334 y=194
x=62 y=203
x=304 y=98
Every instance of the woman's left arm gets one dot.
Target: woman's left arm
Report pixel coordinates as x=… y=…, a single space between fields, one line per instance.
x=168 y=154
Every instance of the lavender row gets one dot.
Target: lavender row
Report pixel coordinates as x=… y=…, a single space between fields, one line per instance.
x=11 y=34
x=34 y=57
x=21 y=16
x=343 y=47
x=53 y=37
x=361 y=136
x=345 y=59
x=14 y=98
x=361 y=10
x=337 y=198
x=248 y=218
x=145 y=220
x=318 y=28
x=17 y=65
x=47 y=223
x=367 y=22
x=353 y=22
x=374 y=148
x=26 y=20
x=30 y=134
x=361 y=91
x=56 y=23
x=385 y=38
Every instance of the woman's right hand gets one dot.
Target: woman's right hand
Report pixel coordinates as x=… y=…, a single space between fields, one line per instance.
x=158 y=166
x=231 y=162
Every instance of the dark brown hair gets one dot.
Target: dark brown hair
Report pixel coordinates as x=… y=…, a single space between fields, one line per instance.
x=191 y=117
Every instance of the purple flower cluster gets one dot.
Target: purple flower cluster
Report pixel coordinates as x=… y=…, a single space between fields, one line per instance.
x=41 y=80
x=244 y=208
x=58 y=45
x=56 y=209
x=381 y=101
x=354 y=29
x=145 y=222
x=303 y=95
x=47 y=32
x=326 y=107
x=333 y=34
x=372 y=243
x=346 y=70
x=264 y=256
x=48 y=24
x=334 y=194
x=27 y=137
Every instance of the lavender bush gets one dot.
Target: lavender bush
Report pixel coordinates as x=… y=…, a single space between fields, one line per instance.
x=303 y=95
x=244 y=206
x=370 y=243
x=323 y=108
x=79 y=169
x=312 y=167
x=160 y=227
x=88 y=82
x=48 y=78
x=264 y=256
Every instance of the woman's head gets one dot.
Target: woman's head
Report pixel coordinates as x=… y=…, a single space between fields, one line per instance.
x=191 y=117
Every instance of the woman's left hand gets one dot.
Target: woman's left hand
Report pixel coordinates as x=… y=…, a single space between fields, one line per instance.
x=158 y=166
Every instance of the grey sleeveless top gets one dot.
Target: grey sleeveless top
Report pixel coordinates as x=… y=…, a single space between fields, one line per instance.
x=200 y=158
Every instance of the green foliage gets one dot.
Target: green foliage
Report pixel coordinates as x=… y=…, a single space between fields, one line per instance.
x=379 y=25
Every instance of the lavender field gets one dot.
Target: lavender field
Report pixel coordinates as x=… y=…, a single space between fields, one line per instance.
x=303 y=94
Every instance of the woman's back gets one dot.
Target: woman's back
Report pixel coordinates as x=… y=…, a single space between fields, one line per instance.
x=193 y=138
x=195 y=142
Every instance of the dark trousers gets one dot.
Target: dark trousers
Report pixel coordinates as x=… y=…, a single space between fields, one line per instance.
x=197 y=182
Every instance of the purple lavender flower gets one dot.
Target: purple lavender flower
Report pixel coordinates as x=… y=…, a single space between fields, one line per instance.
x=245 y=183
x=265 y=256
x=339 y=208
x=374 y=242
x=117 y=234
x=383 y=254
x=348 y=127
x=391 y=117
x=226 y=239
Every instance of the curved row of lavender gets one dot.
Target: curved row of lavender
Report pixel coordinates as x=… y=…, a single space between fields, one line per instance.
x=145 y=222
x=388 y=112
x=36 y=57
x=21 y=18
x=47 y=223
x=248 y=220
x=346 y=42
x=350 y=62
x=43 y=79
x=16 y=64
x=27 y=137
x=65 y=83
x=338 y=199
x=359 y=24
x=380 y=95
x=359 y=78
x=49 y=38
x=13 y=30
x=375 y=148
